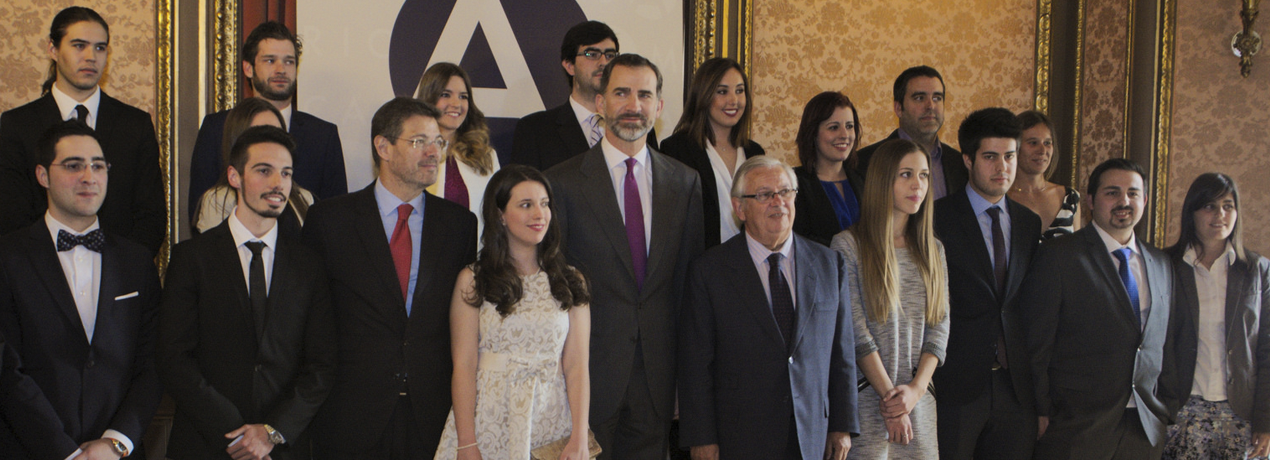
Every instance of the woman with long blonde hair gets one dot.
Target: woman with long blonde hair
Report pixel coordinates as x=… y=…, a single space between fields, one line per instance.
x=899 y=304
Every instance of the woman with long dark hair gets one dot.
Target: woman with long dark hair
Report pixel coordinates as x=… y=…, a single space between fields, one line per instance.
x=899 y=304
x=828 y=186
x=519 y=332
x=713 y=137
x=1223 y=291
x=1057 y=205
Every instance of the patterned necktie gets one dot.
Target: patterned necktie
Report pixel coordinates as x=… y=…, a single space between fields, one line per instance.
x=999 y=270
x=256 y=286
x=635 y=224
x=402 y=248
x=81 y=113
x=455 y=189
x=92 y=240
x=782 y=299
x=1130 y=284
x=597 y=131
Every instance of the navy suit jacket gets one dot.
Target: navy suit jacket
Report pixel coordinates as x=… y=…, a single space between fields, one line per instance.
x=135 y=205
x=738 y=382
x=319 y=156
x=63 y=390
x=544 y=139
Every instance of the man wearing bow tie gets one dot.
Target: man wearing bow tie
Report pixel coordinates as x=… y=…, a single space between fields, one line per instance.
x=77 y=307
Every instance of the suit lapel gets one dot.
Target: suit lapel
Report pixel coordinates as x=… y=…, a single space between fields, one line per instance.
x=1158 y=274
x=968 y=222
x=1236 y=279
x=807 y=282
x=110 y=286
x=663 y=225
x=1019 y=242
x=430 y=242
x=602 y=202
x=1098 y=252
x=569 y=129
x=43 y=254
x=749 y=287
x=370 y=230
x=224 y=259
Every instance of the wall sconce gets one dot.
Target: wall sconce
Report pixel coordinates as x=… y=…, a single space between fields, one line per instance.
x=1245 y=44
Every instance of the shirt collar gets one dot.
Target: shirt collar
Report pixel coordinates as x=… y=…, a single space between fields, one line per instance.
x=980 y=205
x=66 y=104
x=55 y=225
x=388 y=202
x=286 y=115
x=1113 y=245
x=579 y=111
x=1227 y=258
x=939 y=146
x=613 y=156
x=759 y=253
x=242 y=235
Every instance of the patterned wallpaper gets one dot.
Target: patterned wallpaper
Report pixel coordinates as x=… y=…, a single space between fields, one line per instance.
x=1219 y=118
x=803 y=47
x=1102 y=124
x=24 y=43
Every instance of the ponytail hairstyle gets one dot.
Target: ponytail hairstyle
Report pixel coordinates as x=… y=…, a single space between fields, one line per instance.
x=64 y=20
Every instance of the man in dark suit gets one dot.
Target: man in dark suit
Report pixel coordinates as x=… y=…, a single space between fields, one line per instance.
x=985 y=392
x=135 y=208
x=919 y=105
x=1096 y=306
x=766 y=347
x=632 y=221
x=246 y=333
x=77 y=307
x=544 y=139
x=271 y=59
x=392 y=253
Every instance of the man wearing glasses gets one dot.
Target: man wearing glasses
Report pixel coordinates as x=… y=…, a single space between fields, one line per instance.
x=392 y=253
x=544 y=139
x=77 y=308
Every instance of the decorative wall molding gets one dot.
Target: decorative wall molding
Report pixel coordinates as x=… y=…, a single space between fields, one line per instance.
x=225 y=55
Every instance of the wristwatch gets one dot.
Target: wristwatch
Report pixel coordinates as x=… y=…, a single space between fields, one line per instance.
x=274 y=436
x=120 y=449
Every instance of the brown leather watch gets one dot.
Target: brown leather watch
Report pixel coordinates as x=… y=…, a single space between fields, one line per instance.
x=120 y=449
x=274 y=436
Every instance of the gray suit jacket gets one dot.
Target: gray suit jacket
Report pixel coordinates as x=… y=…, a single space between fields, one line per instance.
x=738 y=382
x=1247 y=335
x=1088 y=355
x=592 y=226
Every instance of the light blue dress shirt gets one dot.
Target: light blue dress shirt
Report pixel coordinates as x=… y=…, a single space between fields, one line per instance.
x=980 y=206
x=388 y=204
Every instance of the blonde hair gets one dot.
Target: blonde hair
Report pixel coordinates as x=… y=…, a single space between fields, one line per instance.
x=471 y=140
x=879 y=266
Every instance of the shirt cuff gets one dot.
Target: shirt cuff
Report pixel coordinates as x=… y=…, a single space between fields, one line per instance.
x=127 y=443
x=75 y=453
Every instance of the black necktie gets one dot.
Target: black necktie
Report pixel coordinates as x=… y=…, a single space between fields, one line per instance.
x=782 y=300
x=256 y=285
x=81 y=113
x=998 y=269
x=92 y=240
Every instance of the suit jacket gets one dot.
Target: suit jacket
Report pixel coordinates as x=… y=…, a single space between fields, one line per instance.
x=222 y=368
x=816 y=218
x=63 y=390
x=680 y=146
x=1088 y=357
x=1247 y=335
x=319 y=156
x=544 y=139
x=738 y=382
x=955 y=173
x=594 y=232
x=379 y=345
x=979 y=313
x=135 y=206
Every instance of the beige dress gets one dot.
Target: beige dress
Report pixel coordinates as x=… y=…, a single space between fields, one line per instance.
x=521 y=401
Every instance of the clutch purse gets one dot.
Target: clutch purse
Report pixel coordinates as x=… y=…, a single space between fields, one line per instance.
x=552 y=450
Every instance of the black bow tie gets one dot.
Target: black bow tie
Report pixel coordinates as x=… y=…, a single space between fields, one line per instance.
x=92 y=240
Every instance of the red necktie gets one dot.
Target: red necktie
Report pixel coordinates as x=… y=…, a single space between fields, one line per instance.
x=455 y=189
x=402 y=248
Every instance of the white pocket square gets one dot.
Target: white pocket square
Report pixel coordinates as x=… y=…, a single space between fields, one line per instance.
x=127 y=296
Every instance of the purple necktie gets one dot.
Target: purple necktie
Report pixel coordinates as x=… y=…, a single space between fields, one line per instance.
x=635 y=224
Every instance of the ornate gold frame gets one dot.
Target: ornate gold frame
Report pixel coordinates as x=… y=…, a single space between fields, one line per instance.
x=1044 y=12
x=165 y=101
x=1163 y=122
x=715 y=34
x=1077 y=101
x=225 y=60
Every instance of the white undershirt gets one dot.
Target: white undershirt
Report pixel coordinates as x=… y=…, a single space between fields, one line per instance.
x=728 y=226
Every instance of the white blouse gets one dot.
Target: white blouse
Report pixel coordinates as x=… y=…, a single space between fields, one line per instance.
x=1211 y=370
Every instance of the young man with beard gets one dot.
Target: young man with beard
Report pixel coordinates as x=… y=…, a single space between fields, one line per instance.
x=607 y=201
x=271 y=59
x=544 y=139
x=246 y=330
x=78 y=48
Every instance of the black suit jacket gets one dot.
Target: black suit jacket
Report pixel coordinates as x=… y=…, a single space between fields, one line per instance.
x=63 y=391
x=955 y=173
x=680 y=146
x=977 y=310
x=319 y=156
x=135 y=206
x=1088 y=356
x=815 y=218
x=220 y=371
x=739 y=384
x=594 y=232
x=379 y=344
x=544 y=139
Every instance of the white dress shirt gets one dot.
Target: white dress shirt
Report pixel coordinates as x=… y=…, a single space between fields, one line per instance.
x=616 y=161
x=759 y=254
x=242 y=236
x=728 y=225
x=66 y=105
x=286 y=115
x=1139 y=275
x=1211 y=368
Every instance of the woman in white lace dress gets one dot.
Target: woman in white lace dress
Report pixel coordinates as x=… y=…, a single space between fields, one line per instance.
x=520 y=333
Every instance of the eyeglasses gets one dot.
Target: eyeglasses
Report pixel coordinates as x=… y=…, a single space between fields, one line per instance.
x=595 y=53
x=420 y=143
x=764 y=197
x=76 y=167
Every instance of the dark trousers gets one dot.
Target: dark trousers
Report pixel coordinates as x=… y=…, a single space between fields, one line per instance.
x=636 y=431
x=1134 y=444
x=792 y=450
x=992 y=426
x=401 y=440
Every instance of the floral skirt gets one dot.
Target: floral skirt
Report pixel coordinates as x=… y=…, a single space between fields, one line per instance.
x=1208 y=430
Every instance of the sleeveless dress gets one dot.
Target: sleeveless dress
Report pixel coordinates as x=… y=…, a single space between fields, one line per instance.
x=521 y=401
x=1065 y=221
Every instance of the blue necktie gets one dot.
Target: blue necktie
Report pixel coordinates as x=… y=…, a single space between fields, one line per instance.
x=1130 y=283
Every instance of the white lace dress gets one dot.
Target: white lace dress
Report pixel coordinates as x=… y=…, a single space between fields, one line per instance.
x=521 y=401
